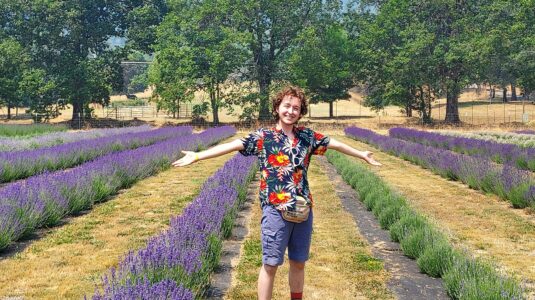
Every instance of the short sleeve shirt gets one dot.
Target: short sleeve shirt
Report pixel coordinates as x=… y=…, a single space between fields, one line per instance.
x=284 y=163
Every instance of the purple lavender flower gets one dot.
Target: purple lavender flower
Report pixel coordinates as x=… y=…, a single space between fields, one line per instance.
x=44 y=199
x=478 y=172
x=56 y=138
x=188 y=251
x=523 y=158
x=145 y=290
x=22 y=164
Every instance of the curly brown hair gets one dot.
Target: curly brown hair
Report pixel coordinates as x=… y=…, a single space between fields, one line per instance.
x=293 y=91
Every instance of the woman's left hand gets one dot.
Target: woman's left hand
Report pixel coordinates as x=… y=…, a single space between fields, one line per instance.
x=368 y=157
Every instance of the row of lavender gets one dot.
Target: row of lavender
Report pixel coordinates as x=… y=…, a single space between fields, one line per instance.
x=523 y=158
x=508 y=182
x=22 y=164
x=56 y=138
x=526 y=131
x=177 y=263
x=522 y=139
x=43 y=200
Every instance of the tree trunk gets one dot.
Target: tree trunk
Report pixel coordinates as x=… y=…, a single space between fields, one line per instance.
x=214 y=104
x=513 y=92
x=492 y=93
x=452 y=104
x=77 y=113
x=264 y=83
x=504 y=96
x=176 y=110
x=408 y=110
x=331 y=110
x=9 y=112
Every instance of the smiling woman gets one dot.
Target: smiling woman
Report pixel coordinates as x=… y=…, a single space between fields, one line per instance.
x=284 y=154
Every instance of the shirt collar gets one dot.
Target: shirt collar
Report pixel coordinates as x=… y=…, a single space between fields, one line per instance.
x=294 y=129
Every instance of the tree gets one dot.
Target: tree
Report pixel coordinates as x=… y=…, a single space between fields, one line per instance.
x=413 y=50
x=393 y=59
x=41 y=92
x=321 y=63
x=524 y=29
x=13 y=62
x=272 y=27
x=142 y=23
x=69 y=41
x=198 y=43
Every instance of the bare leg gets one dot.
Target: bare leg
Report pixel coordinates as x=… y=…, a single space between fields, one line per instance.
x=296 y=276
x=265 y=281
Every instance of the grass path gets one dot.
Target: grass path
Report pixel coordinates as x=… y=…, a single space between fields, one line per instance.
x=340 y=265
x=488 y=226
x=69 y=261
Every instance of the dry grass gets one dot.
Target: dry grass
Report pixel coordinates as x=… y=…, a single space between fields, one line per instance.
x=68 y=262
x=340 y=266
x=488 y=226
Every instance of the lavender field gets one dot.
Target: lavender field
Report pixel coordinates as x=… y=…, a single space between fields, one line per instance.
x=44 y=199
x=177 y=262
x=510 y=183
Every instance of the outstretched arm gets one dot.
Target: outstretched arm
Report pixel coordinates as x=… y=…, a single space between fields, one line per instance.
x=364 y=155
x=191 y=157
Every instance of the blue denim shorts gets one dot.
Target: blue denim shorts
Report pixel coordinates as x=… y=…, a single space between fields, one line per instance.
x=279 y=234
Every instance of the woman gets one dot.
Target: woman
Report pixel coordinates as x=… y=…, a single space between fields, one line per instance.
x=284 y=153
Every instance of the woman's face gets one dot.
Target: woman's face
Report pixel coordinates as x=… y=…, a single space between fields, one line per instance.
x=289 y=110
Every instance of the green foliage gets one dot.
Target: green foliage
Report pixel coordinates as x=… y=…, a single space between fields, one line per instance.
x=40 y=90
x=465 y=277
x=407 y=224
x=437 y=258
x=411 y=51
x=197 y=49
x=13 y=62
x=470 y=278
x=13 y=130
x=271 y=29
x=132 y=102
x=67 y=42
x=139 y=83
x=321 y=63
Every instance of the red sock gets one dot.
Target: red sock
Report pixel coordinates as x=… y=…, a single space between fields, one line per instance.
x=297 y=296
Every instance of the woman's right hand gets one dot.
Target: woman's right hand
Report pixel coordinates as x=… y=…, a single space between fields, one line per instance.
x=188 y=158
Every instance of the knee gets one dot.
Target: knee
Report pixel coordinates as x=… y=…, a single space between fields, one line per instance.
x=297 y=265
x=270 y=270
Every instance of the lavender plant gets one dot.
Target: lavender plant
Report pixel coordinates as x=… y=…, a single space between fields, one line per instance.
x=466 y=277
x=526 y=131
x=57 y=138
x=523 y=158
x=44 y=199
x=22 y=164
x=143 y=289
x=523 y=139
x=189 y=250
x=505 y=181
x=29 y=130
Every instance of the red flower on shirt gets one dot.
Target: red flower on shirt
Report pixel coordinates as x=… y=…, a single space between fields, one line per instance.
x=263 y=184
x=260 y=144
x=279 y=198
x=318 y=136
x=297 y=176
x=278 y=160
x=321 y=150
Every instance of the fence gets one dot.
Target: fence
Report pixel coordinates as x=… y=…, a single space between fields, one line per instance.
x=131 y=112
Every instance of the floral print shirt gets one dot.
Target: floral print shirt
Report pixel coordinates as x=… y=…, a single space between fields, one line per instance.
x=284 y=163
